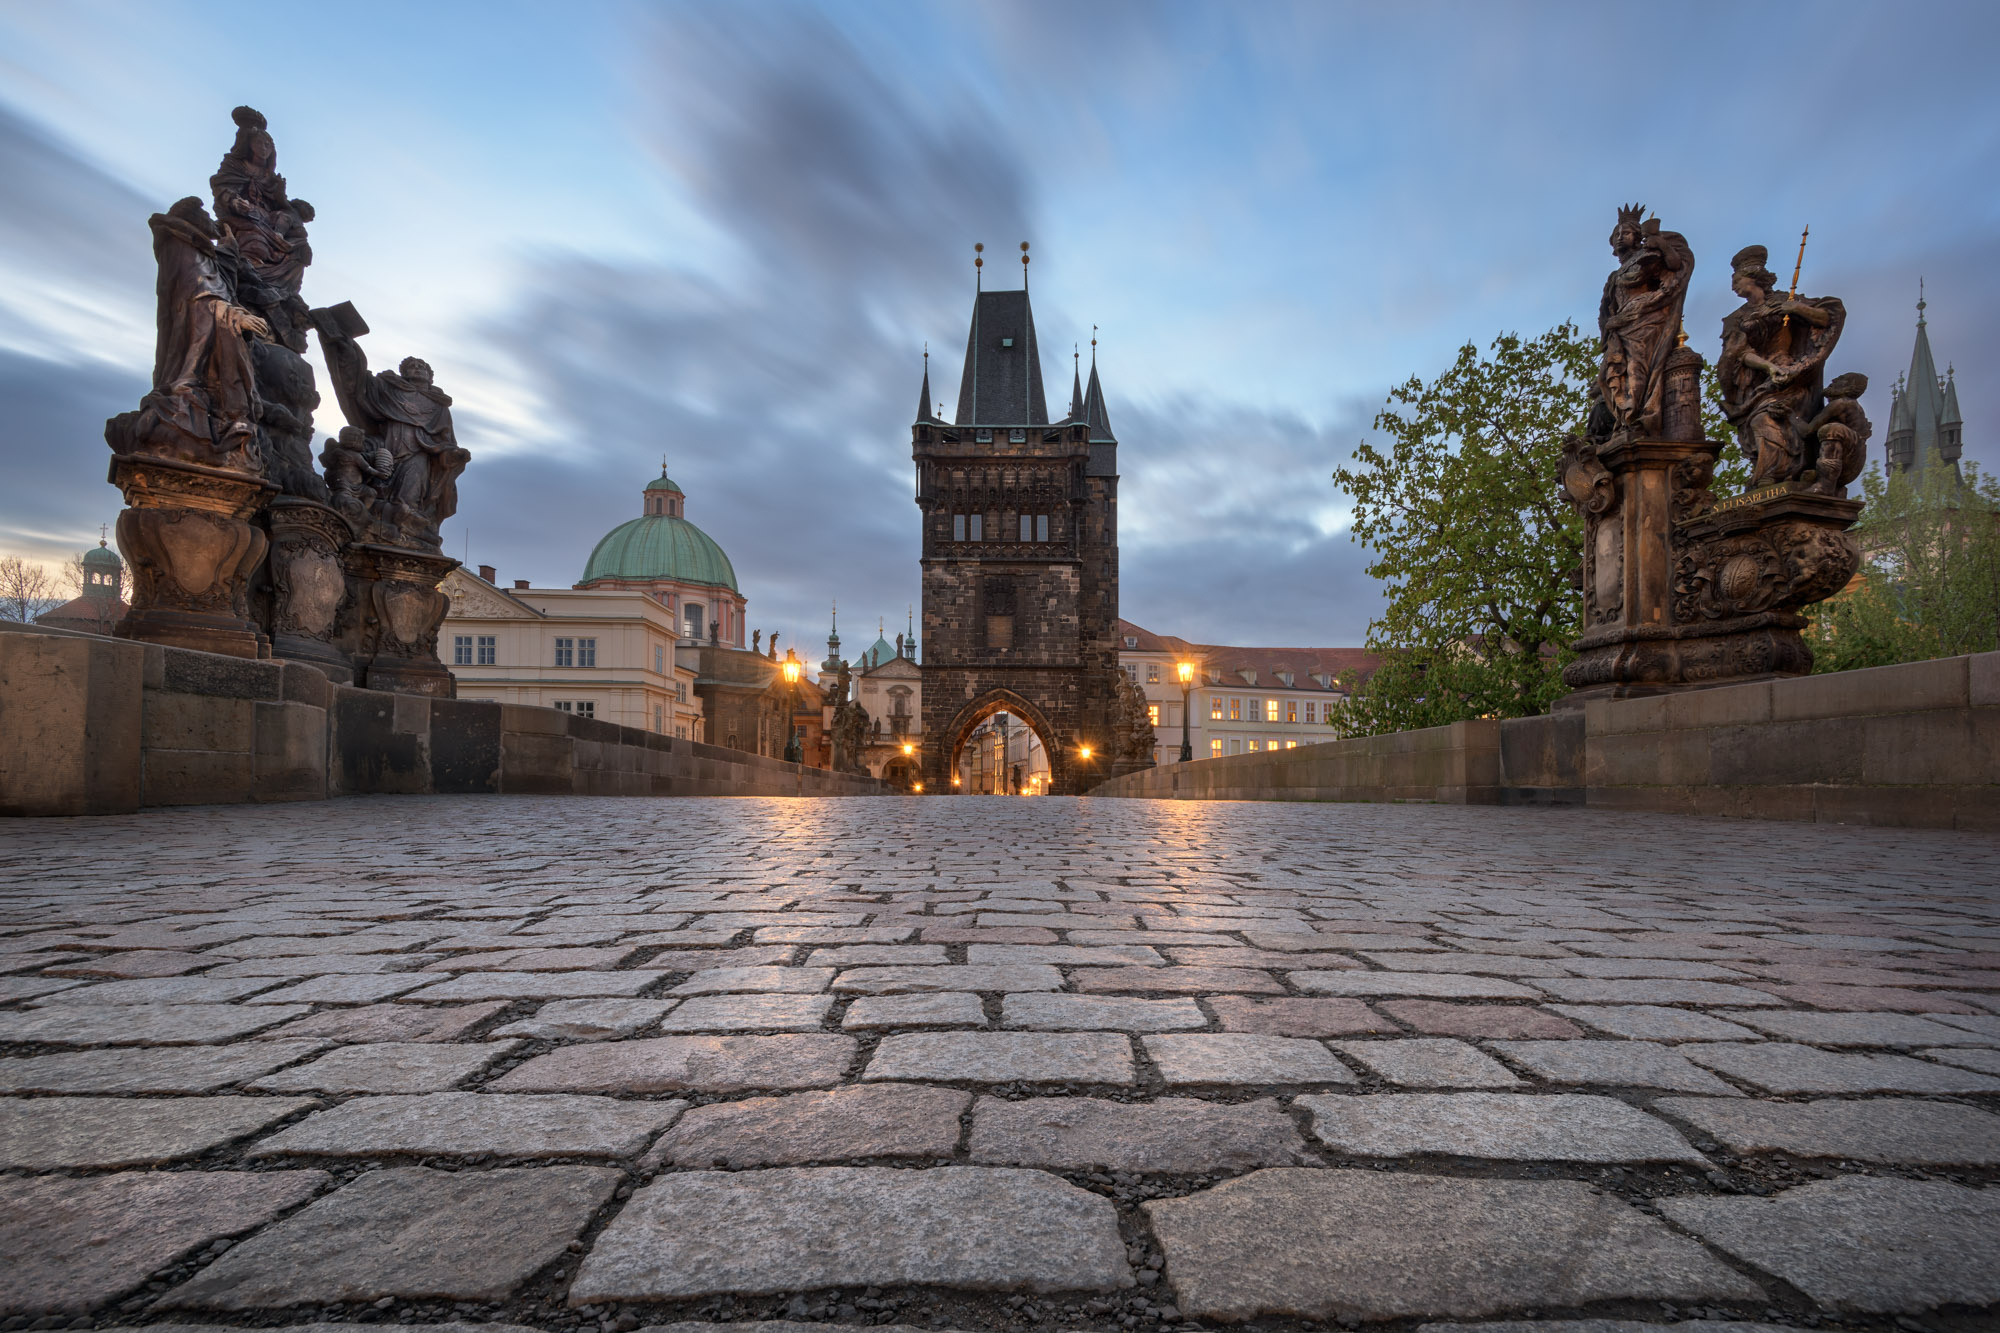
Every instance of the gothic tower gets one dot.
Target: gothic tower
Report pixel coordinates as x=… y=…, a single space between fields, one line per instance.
x=1925 y=429
x=1020 y=555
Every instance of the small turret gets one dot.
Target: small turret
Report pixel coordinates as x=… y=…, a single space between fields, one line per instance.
x=1951 y=441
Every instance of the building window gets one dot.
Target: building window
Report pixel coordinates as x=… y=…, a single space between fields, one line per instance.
x=1017 y=437
x=1027 y=527
x=565 y=653
x=461 y=650
x=691 y=622
x=681 y=732
x=1153 y=714
x=1215 y=708
x=1311 y=709
x=1255 y=745
x=1270 y=710
x=1152 y=673
x=659 y=659
x=982 y=437
x=1291 y=745
x=586 y=652
x=979 y=527
x=585 y=708
x=1235 y=710
x=1291 y=710
x=489 y=647
x=958 y=527
x=659 y=718
x=1235 y=746
x=562 y=706
x=1041 y=527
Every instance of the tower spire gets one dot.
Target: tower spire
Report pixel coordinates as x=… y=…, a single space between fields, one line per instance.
x=924 y=394
x=1093 y=400
x=1075 y=384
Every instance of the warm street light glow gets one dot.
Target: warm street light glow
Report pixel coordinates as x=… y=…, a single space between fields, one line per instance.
x=954 y=779
x=1186 y=670
x=1084 y=751
x=909 y=748
x=791 y=672
x=918 y=787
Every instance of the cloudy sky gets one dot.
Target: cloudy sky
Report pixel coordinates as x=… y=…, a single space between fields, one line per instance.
x=725 y=232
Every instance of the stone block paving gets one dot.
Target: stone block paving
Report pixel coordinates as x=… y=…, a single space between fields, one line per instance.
x=993 y=1065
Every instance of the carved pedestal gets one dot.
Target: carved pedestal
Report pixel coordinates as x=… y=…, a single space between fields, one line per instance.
x=1681 y=590
x=191 y=550
x=398 y=612
x=308 y=584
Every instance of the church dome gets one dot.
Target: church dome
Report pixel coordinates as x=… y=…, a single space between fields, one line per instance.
x=660 y=545
x=101 y=556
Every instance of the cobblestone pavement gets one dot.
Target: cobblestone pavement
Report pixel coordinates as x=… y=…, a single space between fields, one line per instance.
x=995 y=1065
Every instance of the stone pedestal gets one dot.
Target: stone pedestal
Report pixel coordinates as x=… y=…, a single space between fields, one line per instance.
x=191 y=549
x=1682 y=590
x=308 y=584
x=399 y=611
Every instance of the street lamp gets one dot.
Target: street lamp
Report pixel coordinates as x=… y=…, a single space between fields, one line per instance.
x=794 y=748
x=1185 y=671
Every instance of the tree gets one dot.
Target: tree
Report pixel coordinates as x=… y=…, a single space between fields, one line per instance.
x=1470 y=535
x=1930 y=577
x=26 y=590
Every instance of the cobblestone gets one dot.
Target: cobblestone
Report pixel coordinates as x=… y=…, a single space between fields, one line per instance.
x=997 y=1060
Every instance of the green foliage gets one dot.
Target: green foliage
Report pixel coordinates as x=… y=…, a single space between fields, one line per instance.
x=1930 y=583
x=1732 y=469
x=1475 y=544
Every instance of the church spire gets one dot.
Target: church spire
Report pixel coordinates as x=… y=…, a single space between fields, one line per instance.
x=1093 y=400
x=1075 y=385
x=924 y=394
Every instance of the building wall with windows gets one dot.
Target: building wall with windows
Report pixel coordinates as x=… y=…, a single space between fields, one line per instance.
x=606 y=653
x=1244 y=700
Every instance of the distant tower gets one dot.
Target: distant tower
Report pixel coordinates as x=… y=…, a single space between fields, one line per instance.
x=1925 y=428
x=1020 y=555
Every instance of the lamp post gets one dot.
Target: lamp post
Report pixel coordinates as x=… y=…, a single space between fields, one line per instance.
x=794 y=749
x=1186 y=672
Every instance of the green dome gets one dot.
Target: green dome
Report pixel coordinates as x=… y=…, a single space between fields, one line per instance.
x=663 y=483
x=660 y=546
x=101 y=555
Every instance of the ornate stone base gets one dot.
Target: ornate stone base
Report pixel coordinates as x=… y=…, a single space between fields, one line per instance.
x=191 y=549
x=1623 y=662
x=401 y=610
x=308 y=585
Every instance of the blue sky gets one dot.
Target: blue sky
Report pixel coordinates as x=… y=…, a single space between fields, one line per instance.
x=724 y=233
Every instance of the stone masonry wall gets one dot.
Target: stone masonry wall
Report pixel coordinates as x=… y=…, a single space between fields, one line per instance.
x=94 y=725
x=1913 y=746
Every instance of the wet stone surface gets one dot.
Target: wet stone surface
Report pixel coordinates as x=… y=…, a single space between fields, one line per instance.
x=1002 y=1066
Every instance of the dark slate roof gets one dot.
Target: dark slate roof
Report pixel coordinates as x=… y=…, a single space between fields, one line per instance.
x=1230 y=662
x=1002 y=385
x=1924 y=396
x=1076 y=395
x=924 y=408
x=1093 y=410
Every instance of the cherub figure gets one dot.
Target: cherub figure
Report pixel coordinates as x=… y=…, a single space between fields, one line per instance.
x=1840 y=432
x=353 y=466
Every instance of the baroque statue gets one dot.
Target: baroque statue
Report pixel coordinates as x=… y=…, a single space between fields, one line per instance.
x=1638 y=316
x=1682 y=587
x=1773 y=365
x=406 y=450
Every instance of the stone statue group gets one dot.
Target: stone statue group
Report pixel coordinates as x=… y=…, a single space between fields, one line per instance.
x=1681 y=588
x=237 y=543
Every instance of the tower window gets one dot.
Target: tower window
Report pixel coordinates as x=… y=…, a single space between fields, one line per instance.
x=1027 y=527
x=983 y=436
x=979 y=527
x=958 y=527
x=1041 y=527
x=1017 y=437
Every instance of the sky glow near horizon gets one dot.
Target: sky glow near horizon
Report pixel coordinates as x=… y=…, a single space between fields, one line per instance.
x=724 y=233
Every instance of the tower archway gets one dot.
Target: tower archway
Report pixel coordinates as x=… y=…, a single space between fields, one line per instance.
x=946 y=761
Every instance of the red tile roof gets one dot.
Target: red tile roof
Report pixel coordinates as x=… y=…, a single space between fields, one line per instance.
x=1263 y=663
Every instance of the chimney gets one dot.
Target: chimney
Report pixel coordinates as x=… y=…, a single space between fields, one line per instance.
x=520 y=585
x=490 y=574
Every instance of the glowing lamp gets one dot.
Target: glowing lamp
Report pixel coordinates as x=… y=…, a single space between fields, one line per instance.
x=791 y=672
x=918 y=787
x=909 y=748
x=1186 y=672
x=1084 y=751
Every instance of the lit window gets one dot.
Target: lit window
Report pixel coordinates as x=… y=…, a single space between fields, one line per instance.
x=1255 y=745
x=1153 y=714
x=958 y=527
x=1291 y=745
x=585 y=708
x=1311 y=709
x=1027 y=527
x=586 y=654
x=1270 y=710
x=1041 y=527
x=488 y=649
x=1235 y=710
x=979 y=527
x=1291 y=710
x=1152 y=673
x=1215 y=748
x=565 y=656
x=461 y=650
x=1215 y=708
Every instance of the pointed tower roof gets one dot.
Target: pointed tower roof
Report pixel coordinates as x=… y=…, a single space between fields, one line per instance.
x=1924 y=398
x=1951 y=416
x=1002 y=384
x=924 y=394
x=1075 y=391
x=1899 y=409
x=1093 y=410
